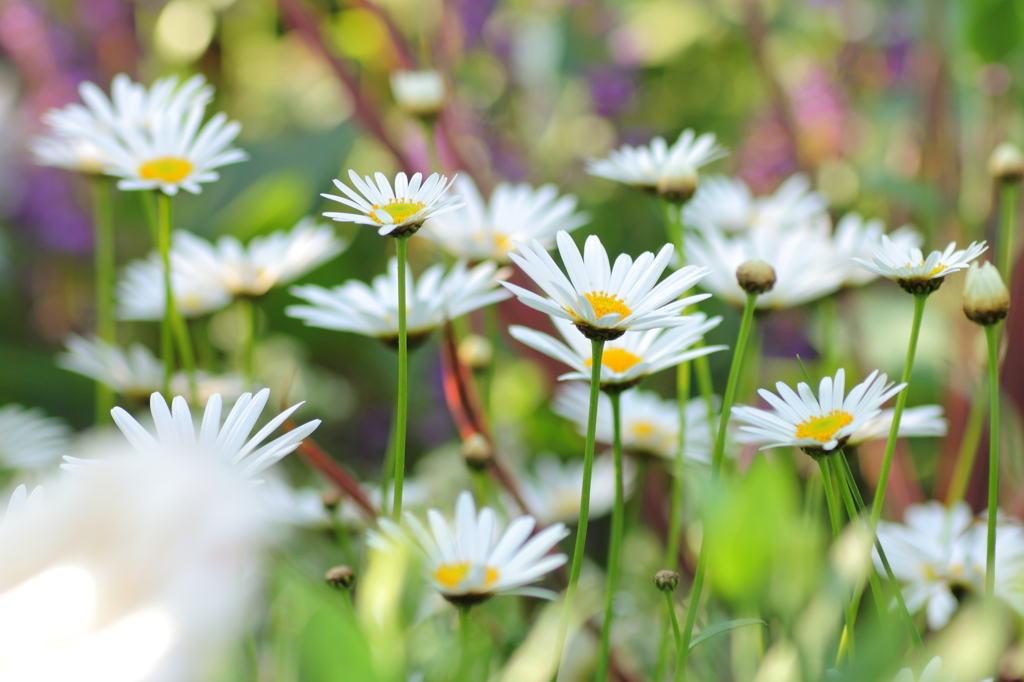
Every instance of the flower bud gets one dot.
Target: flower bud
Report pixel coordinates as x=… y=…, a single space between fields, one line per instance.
x=986 y=299
x=340 y=577
x=666 y=581
x=331 y=498
x=475 y=352
x=420 y=93
x=678 y=188
x=756 y=277
x=477 y=452
x=1006 y=163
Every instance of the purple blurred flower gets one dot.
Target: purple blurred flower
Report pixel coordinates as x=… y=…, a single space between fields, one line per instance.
x=49 y=211
x=611 y=89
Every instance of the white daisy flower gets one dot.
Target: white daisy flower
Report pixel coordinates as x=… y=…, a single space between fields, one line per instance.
x=912 y=270
x=601 y=300
x=176 y=152
x=728 y=205
x=266 y=262
x=649 y=166
x=372 y=309
x=552 y=488
x=629 y=358
x=290 y=506
x=176 y=431
x=488 y=230
x=397 y=211
x=801 y=255
x=421 y=93
x=471 y=560
x=650 y=424
x=921 y=421
x=22 y=504
x=31 y=440
x=141 y=294
x=817 y=424
x=855 y=237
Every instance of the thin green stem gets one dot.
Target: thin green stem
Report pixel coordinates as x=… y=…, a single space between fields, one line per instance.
x=401 y=410
x=1009 y=197
x=172 y=317
x=992 y=336
x=830 y=496
x=388 y=470
x=615 y=546
x=103 y=251
x=968 y=452
x=676 y=518
x=901 y=402
x=597 y=352
x=248 y=312
x=465 y=639
x=671 y=605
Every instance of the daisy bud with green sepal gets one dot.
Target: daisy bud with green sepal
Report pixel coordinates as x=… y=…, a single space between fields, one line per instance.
x=986 y=300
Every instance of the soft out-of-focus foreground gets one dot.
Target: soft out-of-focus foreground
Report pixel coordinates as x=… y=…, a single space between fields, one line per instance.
x=793 y=171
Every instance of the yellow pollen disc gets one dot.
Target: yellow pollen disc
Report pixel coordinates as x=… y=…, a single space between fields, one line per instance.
x=824 y=427
x=450 y=575
x=617 y=360
x=503 y=243
x=167 y=169
x=399 y=210
x=607 y=303
x=644 y=432
x=936 y=270
x=490 y=576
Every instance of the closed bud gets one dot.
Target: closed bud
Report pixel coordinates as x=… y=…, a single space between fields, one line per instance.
x=666 y=581
x=1006 y=162
x=341 y=577
x=331 y=498
x=475 y=352
x=420 y=93
x=756 y=277
x=986 y=299
x=477 y=452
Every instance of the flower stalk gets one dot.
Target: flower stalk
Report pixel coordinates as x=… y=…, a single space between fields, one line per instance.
x=615 y=547
x=402 y=408
x=1009 y=198
x=174 y=324
x=992 y=337
x=103 y=249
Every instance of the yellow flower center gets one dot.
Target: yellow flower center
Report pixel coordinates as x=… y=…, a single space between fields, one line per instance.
x=399 y=210
x=450 y=575
x=617 y=360
x=604 y=304
x=824 y=427
x=934 y=271
x=644 y=432
x=503 y=243
x=166 y=169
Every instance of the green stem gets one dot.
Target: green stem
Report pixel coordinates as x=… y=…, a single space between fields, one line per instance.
x=901 y=402
x=401 y=410
x=968 y=452
x=465 y=638
x=172 y=317
x=707 y=389
x=248 y=312
x=597 y=350
x=672 y=617
x=615 y=547
x=675 y=521
x=1008 y=200
x=830 y=496
x=103 y=250
x=992 y=336
x=388 y=470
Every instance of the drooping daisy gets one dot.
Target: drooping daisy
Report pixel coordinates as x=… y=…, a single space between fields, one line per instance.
x=372 y=309
x=912 y=270
x=176 y=431
x=728 y=205
x=29 y=439
x=515 y=213
x=141 y=294
x=855 y=237
x=471 y=560
x=801 y=256
x=649 y=166
x=601 y=300
x=552 y=488
x=421 y=93
x=819 y=424
x=628 y=359
x=266 y=262
x=650 y=424
x=397 y=211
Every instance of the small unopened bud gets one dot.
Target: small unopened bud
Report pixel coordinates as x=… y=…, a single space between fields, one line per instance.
x=678 y=188
x=340 y=577
x=756 y=277
x=331 y=498
x=1006 y=162
x=986 y=299
x=666 y=581
x=420 y=93
x=477 y=452
x=475 y=352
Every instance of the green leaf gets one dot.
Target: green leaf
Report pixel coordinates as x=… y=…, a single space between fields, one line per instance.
x=715 y=630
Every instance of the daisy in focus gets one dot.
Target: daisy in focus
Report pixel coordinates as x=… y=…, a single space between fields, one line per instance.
x=372 y=309
x=605 y=301
x=626 y=360
x=817 y=425
x=855 y=238
x=916 y=422
x=727 y=204
x=470 y=560
x=397 y=211
x=915 y=272
x=658 y=167
x=551 y=490
x=488 y=230
x=31 y=439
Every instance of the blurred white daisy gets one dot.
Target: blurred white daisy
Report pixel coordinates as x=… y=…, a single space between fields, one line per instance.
x=801 y=255
x=627 y=359
x=415 y=494
x=471 y=560
x=22 y=503
x=817 y=424
x=647 y=167
x=855 y=237
x=421 y=93
x=372 y=309
x=230 y=442
x=912 y=270
x=650 y=424
x=141 y=294
x=552 y=488
x=266 y=262
x=291 y=506
x=488 y=230
x=397 y=211
x=31 y=439
x=727 y=204
x=601 y=300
